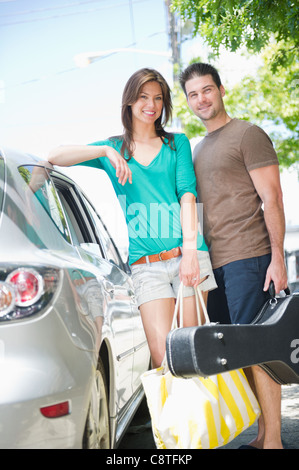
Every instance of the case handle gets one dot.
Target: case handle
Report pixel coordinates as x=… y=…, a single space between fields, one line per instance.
x=272 y=290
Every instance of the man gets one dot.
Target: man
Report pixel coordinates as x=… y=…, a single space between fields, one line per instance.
x=237 y=172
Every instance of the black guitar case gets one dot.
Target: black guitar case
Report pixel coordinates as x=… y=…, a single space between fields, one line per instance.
x=271 y=341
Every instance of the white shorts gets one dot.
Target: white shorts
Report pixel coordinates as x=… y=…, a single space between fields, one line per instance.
x=160 y=280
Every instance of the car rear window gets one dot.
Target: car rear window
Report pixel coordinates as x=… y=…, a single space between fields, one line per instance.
x=43 y=212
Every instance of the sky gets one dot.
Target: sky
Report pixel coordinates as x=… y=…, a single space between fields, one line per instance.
x=46 y=100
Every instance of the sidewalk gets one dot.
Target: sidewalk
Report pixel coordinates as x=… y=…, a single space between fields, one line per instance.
x=139 y=434
x=289 y=424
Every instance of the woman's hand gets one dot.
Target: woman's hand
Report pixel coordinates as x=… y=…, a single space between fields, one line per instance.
x=123 y=172
x=189 y=268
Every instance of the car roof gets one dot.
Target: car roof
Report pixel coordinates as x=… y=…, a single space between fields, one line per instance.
x=14 y=158
x=17 y=157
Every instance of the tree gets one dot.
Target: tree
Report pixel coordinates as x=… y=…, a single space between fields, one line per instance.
x=253 y=23
x=270 y=97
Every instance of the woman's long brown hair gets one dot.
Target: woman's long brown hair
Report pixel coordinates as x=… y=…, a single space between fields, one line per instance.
x=130 y=96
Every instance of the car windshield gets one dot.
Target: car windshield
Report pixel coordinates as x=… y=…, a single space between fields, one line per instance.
x=32 y=204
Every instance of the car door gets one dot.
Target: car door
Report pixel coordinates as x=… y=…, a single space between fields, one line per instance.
x=140 y=346
x=141 y=354
x=89 y=237
x=120 y=312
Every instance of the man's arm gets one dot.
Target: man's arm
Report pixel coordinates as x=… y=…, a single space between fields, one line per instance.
x=267 y=184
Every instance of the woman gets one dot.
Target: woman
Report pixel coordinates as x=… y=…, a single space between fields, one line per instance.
x=152 y=174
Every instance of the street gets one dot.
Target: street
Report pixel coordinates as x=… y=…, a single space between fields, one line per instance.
x=139 y=434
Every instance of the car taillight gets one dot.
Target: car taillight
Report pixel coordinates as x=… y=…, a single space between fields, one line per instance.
x=26 y=291
x=7 y=298
x=28 y=284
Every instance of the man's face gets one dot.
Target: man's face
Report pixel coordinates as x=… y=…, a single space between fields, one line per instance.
x=204 y=97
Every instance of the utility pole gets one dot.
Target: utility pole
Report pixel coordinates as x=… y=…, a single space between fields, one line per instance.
x=174 y=34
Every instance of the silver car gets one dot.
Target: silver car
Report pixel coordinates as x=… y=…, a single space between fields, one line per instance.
x=72 y=345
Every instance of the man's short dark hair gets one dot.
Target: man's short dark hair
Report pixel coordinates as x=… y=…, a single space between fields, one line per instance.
x=199 y=69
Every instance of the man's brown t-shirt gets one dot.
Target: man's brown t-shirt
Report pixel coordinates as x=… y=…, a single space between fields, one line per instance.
x=233 y=220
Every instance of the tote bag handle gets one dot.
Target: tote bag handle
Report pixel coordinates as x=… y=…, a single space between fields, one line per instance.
x=179 y=305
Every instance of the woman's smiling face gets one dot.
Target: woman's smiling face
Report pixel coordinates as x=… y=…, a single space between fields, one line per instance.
x=149 y=105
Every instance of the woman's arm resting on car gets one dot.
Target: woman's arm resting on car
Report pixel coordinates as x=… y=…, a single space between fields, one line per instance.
x=69 y=155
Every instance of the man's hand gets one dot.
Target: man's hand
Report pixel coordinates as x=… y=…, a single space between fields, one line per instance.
x=277 y=273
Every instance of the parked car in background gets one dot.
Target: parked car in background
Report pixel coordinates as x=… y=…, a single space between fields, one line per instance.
x=72 y=345
x=292 y=256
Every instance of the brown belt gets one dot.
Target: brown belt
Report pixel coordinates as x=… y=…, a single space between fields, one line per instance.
x=163 y=256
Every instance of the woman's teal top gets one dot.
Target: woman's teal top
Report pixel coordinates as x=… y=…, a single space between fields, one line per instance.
x=151 y=204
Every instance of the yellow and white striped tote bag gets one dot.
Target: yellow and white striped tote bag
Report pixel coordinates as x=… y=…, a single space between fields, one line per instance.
x=198 y=413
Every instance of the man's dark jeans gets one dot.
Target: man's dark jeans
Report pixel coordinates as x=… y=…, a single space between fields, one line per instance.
x=240 y=294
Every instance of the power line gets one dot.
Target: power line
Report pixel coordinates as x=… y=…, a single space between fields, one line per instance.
x=73 y=69
x=31 y=20
x=41 y=10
